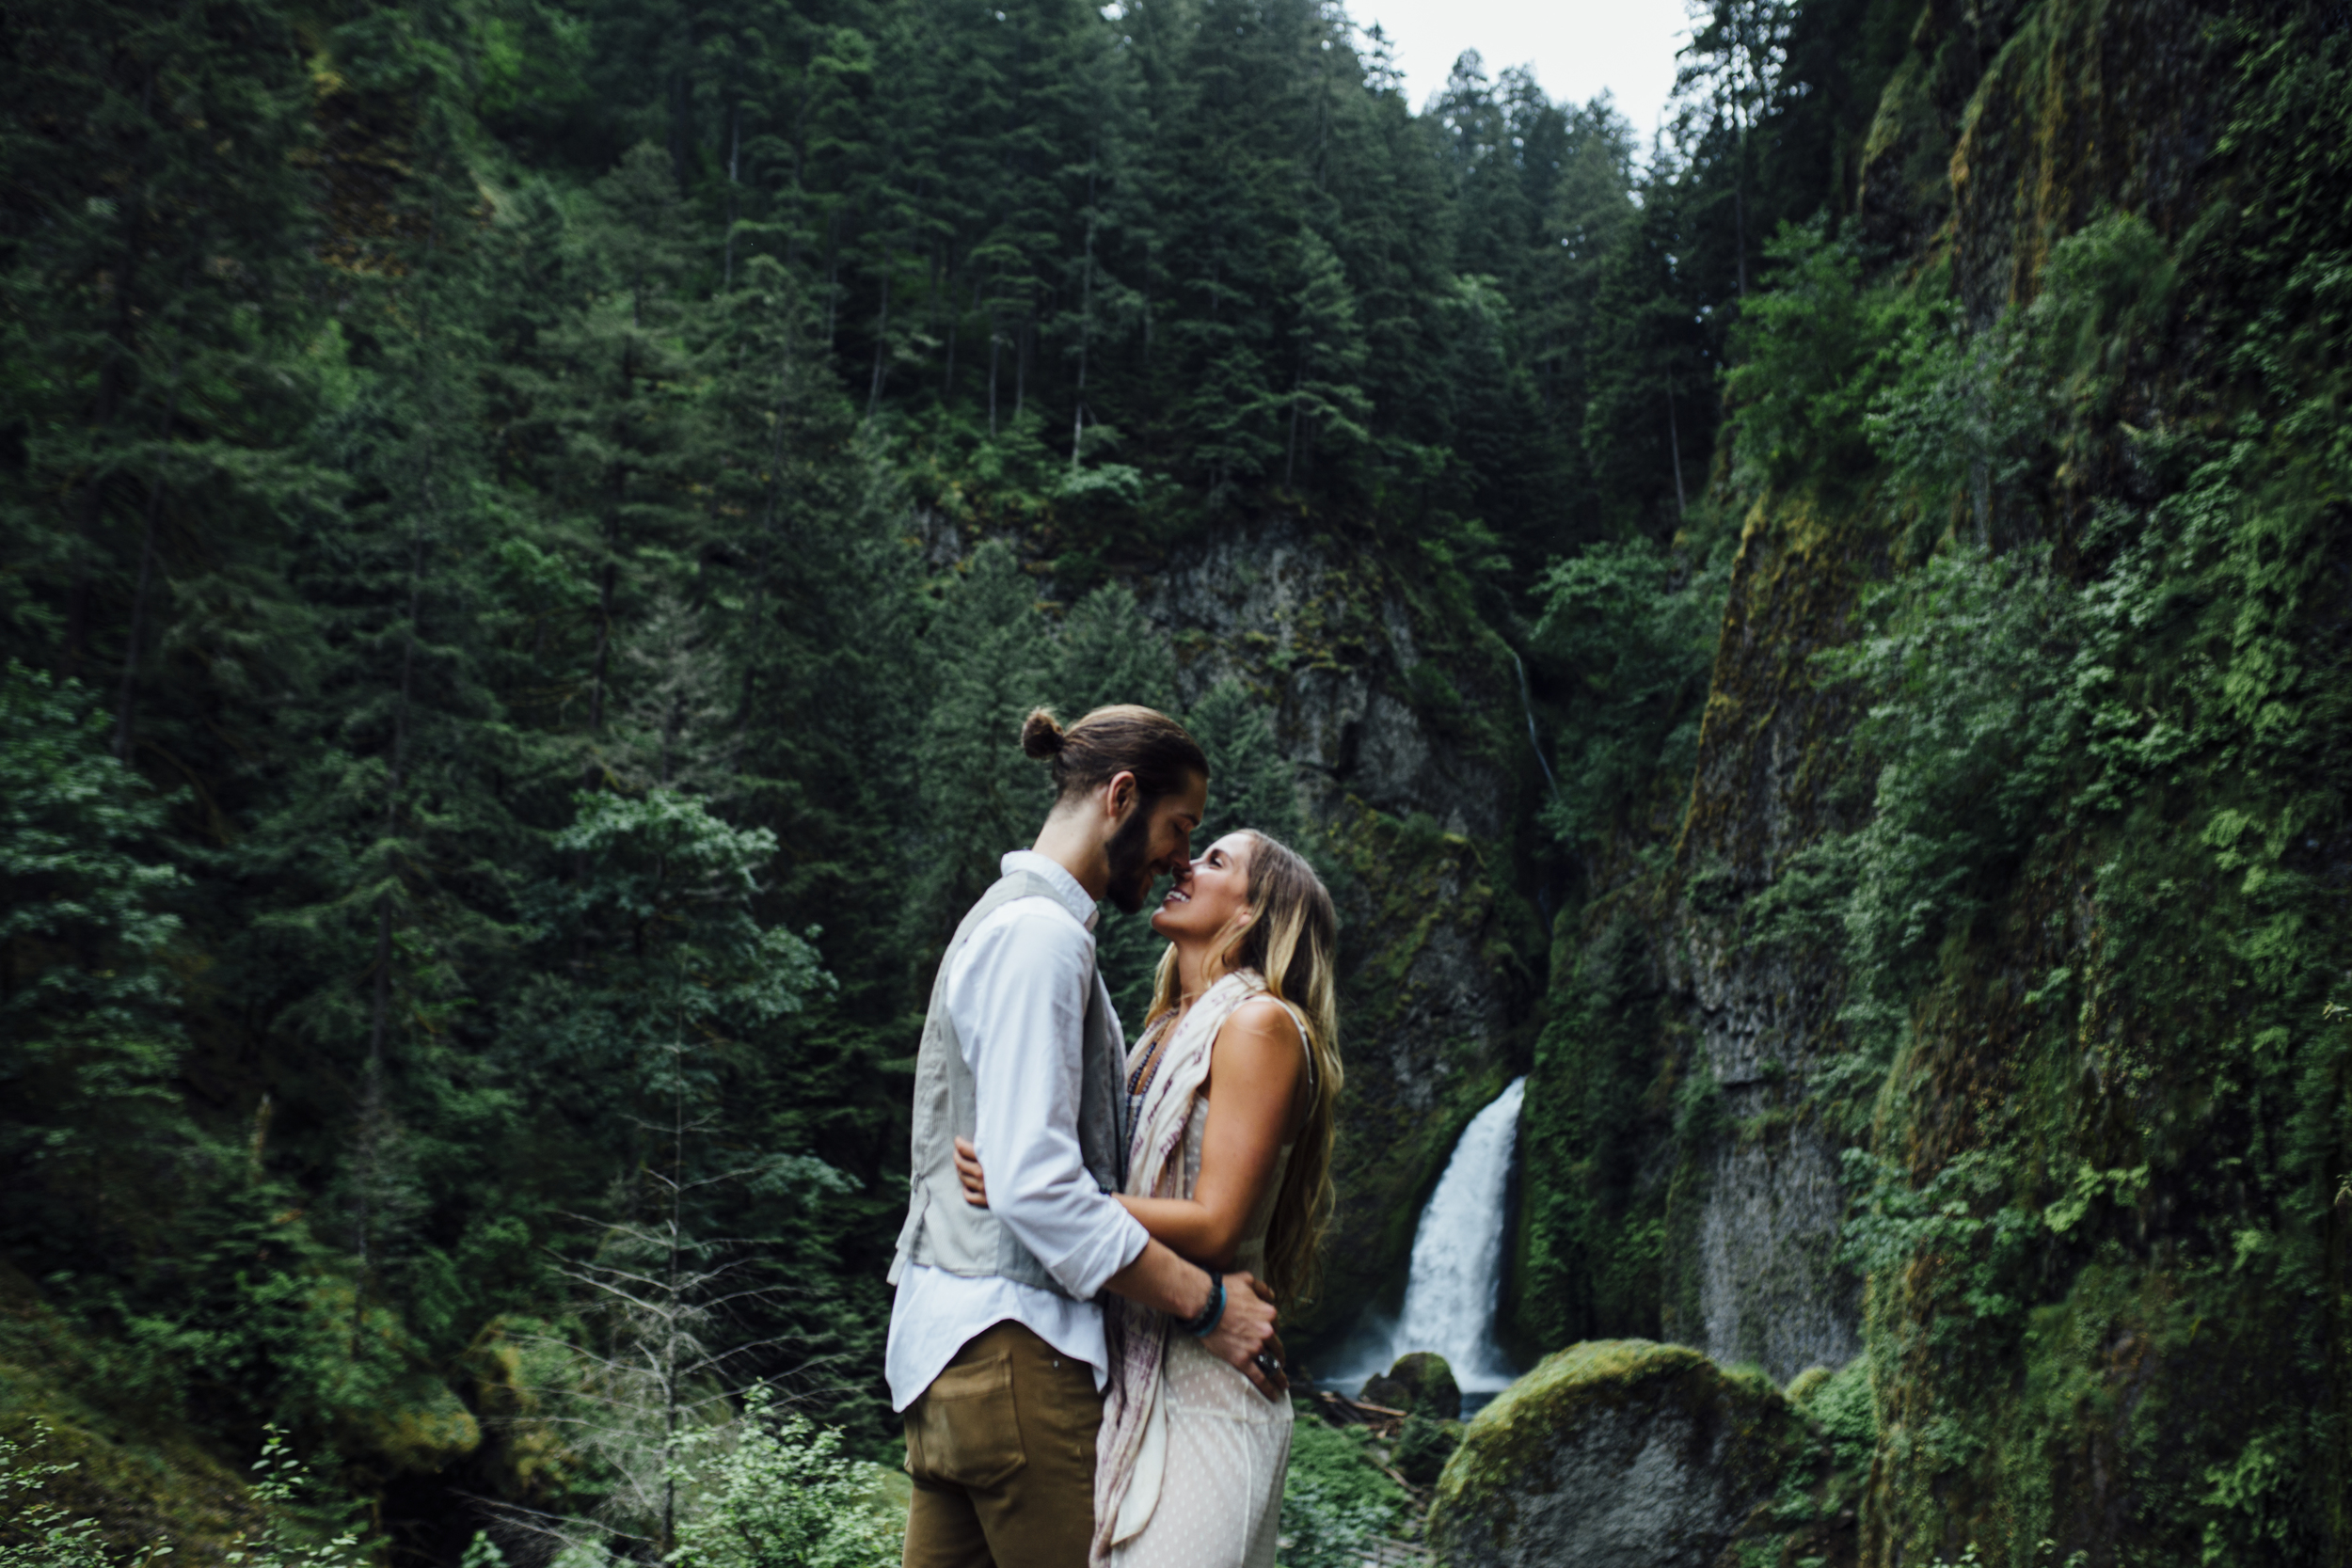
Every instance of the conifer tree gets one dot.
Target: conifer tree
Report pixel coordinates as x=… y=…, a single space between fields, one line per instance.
x=151 y=244
x=389 y=842
x=90 y=1035
x=1253 y=784
x=680 y=985
x=1326 y=351
x=980 y=796
x=1110 y=652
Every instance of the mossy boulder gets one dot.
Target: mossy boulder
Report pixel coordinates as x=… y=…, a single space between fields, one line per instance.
x=1615 y=1453
x=1419 y=1382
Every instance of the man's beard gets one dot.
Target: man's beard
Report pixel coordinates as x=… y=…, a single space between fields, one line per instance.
x=1130 y=852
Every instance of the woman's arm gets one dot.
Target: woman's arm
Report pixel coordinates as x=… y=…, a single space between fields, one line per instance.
x=1255 y=1066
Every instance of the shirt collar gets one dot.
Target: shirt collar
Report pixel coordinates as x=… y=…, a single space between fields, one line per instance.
x=1065 y=886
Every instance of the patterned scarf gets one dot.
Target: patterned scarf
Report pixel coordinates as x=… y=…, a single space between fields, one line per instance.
x=1137 y=1335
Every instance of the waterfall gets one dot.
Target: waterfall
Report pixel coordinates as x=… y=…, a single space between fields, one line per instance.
x=1457 y=1273
x=1527 y=708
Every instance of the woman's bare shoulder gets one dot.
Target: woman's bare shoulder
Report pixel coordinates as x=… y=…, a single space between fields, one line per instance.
x=1262 y=1022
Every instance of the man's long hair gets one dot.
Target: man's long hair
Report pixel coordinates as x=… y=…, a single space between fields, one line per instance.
x=1292 y=940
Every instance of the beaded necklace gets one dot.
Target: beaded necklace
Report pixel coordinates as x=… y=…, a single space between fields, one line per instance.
x=1139 y=1081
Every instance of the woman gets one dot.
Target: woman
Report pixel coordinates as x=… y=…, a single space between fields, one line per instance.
x=1229 y=1095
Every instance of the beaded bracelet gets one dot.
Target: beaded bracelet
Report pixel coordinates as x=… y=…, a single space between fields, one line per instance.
x=1205 y=1325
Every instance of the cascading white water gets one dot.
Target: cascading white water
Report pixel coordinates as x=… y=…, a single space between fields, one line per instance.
x=1458 y=1254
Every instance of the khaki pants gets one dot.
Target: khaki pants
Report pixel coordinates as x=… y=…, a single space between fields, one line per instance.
x=1001 y=1447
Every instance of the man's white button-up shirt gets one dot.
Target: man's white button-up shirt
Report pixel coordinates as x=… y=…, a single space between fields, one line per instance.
x=1018 y=996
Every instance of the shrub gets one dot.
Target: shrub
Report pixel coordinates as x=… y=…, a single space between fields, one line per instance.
x=783 y=1495
x=1335 y=1503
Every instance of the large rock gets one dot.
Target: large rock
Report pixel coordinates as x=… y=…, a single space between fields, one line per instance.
x=1420 y=1380
x=1615 y=1453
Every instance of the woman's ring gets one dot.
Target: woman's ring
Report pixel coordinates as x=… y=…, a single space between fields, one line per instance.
x=1268 y=1365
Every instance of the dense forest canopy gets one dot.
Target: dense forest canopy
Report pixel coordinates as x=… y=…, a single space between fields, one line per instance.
x=526 y=526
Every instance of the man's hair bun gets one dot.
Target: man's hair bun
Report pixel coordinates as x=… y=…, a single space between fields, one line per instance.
x=1120 y=739
x=1041 y=734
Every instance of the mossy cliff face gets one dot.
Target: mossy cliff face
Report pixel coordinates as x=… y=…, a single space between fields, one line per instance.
x=1617 y=1453
x=2135 y=1057
x=2053 y=1050
x=1753 y=1275
x=1692 y=1191
x=1396 y=706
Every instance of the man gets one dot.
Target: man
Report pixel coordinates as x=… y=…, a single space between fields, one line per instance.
x=997 y=1353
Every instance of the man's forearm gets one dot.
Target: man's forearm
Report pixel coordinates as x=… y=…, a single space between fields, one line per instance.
x=1243 y=1336
x=1162 y=1281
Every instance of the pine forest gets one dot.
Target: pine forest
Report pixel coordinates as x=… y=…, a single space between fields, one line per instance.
x=1820 y=639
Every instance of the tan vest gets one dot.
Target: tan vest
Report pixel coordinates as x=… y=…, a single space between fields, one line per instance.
x=943 y=1231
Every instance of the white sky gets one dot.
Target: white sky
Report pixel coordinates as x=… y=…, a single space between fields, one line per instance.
x=1578 y=47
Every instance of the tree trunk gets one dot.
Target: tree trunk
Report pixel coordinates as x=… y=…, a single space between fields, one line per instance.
x=1673 y=447
x=881 y=330
x=735 y=209
x=1085 y=318
x=138 y=597
x=1021 y=363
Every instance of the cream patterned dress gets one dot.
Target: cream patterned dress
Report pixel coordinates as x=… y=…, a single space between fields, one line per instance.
x=1221 y=1500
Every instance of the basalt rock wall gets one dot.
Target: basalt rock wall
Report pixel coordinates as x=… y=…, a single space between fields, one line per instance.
x=1399 y=711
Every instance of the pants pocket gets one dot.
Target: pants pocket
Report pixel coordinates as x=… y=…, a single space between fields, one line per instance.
x=963 y=1432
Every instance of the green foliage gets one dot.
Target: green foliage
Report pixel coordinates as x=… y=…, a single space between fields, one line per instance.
x=293 y=1533
x=282 y=1485
x=986 y=653
x=1848 y=1416
x=1972 y=728
x=665 y=948
x=1335 y=1503
x=778 y=1493
x=1813 y=353
x=1252 y=783
x=1422 y=1446
x=1109 y=652
x=46 y=1535
x=90 y=1032
x=1628 y=632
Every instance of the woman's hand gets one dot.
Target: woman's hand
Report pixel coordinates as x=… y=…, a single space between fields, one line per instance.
x=968 y=1172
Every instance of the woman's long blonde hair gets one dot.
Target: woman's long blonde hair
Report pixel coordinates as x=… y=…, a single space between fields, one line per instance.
x=1292 y=940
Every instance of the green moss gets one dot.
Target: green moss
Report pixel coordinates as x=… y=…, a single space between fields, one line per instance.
x=1421 y=909
x=1593 y=1215
x=1507 y=1443
x=143 y=1475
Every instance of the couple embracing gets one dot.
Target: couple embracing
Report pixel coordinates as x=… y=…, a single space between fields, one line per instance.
x=1083 y=1344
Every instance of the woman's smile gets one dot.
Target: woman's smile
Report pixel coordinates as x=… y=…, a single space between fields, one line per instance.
x=1209 y=894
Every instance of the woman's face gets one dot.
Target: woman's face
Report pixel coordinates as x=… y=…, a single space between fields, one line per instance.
x=1209 y=894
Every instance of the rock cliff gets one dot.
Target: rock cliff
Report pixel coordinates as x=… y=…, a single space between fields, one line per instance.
x=1399 y=711
x=2081 y=1120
